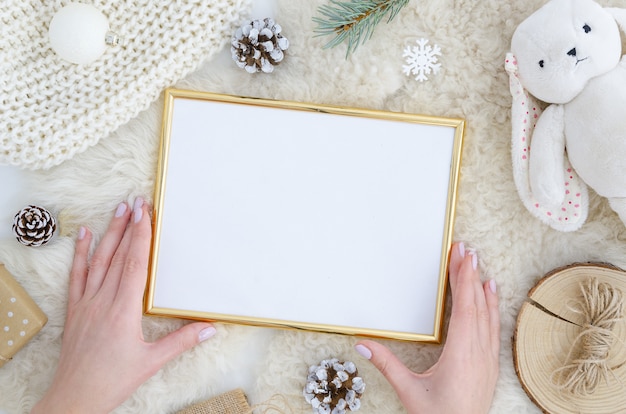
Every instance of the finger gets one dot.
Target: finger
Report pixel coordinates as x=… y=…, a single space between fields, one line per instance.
x=457 y=254
x=135 y=272
x=119 y=262
x=111 y=281
x=78 y=274
x=398 y=375
x=467 y=300
x=177 y=342
x=464 y=282
x=101 y=259
x=491 y=297
x=482 y=312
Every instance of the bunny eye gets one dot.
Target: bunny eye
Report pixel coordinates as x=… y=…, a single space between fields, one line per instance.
x=541 y=63
x=586 y=28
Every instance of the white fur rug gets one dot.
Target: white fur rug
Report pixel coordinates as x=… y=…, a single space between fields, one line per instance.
x=513 y=247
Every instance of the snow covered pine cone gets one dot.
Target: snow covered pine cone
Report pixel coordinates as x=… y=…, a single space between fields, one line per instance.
x=334 y=387
x=258 y=46
x=33 y=226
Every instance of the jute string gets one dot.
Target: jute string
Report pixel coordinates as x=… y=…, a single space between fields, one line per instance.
x=277 y=404
x=586 y=366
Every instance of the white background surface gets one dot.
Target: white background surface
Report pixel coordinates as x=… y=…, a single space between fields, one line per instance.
x=304 y=216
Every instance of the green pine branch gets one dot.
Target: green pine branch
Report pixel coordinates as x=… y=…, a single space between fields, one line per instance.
x=354 y=21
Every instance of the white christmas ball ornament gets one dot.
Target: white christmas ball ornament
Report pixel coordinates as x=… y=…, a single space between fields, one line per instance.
x=77 y=33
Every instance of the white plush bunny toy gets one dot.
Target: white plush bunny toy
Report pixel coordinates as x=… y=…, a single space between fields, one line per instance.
x=568 y=54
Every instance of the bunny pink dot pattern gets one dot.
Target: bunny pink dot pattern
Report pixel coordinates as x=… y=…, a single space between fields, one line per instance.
x=525 y=111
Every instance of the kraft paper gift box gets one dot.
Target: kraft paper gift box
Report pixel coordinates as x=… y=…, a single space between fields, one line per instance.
x=20 y=317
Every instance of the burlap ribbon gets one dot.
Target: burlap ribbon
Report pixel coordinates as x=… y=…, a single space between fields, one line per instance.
x=231 y=402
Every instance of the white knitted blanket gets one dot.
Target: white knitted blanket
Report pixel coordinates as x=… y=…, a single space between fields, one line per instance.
x=52 y=109
x=513 y=247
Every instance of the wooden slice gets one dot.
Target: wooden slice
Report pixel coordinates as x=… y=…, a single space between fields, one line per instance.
x=546 y=331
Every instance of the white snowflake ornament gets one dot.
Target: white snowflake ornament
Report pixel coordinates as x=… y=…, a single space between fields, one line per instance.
x=421 y=60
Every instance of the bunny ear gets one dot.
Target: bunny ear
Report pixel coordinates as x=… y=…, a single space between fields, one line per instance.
x=619 y=15
x=571 y=214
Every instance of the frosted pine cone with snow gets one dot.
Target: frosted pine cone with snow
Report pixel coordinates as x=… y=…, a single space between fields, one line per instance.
x=258 y=46
x=34 y=226
x=334 y=387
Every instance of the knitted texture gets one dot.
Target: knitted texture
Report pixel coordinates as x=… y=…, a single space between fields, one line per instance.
x=51 y=109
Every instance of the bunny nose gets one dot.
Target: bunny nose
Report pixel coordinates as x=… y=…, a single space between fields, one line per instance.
x=572 y=52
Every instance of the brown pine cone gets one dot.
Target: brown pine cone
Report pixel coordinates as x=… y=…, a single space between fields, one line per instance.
x=258 y=46
x=34 y=226
x=334 y=387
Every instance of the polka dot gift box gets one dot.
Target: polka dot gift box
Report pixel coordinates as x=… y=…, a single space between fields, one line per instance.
x=20 y=317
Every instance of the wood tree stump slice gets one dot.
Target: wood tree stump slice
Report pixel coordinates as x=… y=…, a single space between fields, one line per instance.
x=545 y=332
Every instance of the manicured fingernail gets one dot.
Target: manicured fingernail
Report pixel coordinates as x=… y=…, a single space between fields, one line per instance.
x=462 y=249
x=82 y=232
x=138 y=212
x=363 y=351
x=138 y=203
x=138 y=215
x=474 y=260
x=492 y=286
x=206 y=333
x=121 y=209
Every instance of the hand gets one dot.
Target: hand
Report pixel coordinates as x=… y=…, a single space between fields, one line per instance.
x=464 y=378
x=104 y=357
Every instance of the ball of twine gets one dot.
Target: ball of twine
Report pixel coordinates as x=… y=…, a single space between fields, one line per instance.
x=586 y=366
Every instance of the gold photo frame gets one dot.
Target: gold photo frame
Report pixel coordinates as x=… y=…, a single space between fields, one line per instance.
x=307 y=216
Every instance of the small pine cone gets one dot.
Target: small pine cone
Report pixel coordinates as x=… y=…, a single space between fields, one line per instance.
x=258 y=46
x=334 y=387
x=34 y=226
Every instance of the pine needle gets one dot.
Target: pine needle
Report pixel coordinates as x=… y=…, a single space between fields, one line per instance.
x=354 y=21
